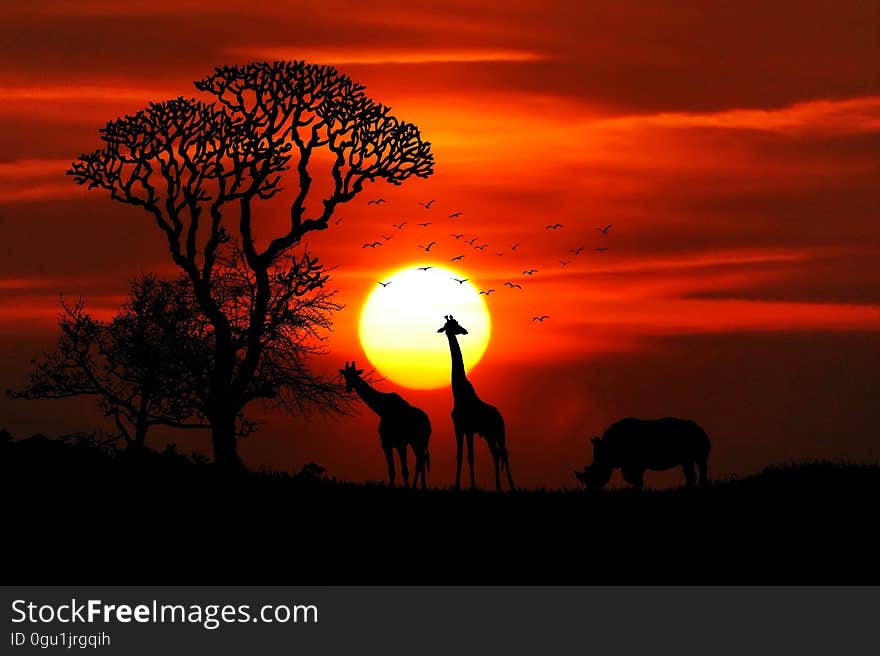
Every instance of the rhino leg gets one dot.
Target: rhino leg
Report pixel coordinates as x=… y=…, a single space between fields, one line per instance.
x=634 y=476
x=690 y=475
x=704 y=473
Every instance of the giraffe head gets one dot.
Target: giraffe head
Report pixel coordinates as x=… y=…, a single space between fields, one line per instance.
x=452 y=327
x=351 y=374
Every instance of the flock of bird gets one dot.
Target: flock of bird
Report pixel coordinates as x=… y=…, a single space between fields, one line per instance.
x=477 y=245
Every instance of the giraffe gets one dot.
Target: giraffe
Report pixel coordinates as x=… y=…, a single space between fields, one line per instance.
x=399 y=424
x=472 y=415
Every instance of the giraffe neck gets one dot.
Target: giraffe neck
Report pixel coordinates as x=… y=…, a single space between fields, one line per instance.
x=372 y=397
x=460 y=383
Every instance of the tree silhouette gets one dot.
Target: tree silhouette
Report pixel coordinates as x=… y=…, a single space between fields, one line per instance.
x=298 y=314
x=151 y=364
x=128 y=363
x=199 y=169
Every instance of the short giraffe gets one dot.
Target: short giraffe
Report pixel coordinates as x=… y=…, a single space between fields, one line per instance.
x=400 y=424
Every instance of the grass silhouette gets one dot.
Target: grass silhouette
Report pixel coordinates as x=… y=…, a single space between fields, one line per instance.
x=79 y=514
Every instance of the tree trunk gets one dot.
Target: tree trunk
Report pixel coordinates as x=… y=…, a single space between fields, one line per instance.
x=223 y=440
x=140 y=433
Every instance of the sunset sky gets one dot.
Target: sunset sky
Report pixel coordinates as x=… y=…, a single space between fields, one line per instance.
x=734 y=146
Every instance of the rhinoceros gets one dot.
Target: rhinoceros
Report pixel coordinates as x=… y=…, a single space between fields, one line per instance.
x=634 y=445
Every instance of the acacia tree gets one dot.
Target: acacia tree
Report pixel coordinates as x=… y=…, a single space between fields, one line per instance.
x=199 y=170
x=298 y=315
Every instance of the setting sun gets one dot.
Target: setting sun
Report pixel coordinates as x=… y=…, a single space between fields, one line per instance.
x=399 y=322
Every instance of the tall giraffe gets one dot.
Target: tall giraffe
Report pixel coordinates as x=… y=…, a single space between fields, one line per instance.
x=472 y=415
x=399 y=424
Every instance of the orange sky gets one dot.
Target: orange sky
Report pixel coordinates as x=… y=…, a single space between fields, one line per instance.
x=734 y=147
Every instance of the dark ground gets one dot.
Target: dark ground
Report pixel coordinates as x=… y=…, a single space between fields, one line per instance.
x=79 y=515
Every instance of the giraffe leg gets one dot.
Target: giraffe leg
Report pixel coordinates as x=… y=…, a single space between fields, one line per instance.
x=509 y=475
x=497 y=462
x=420 y=469
x=470 y=457
x=389 y=456
x=423 y=466
x=459 y=438
x=401 y=451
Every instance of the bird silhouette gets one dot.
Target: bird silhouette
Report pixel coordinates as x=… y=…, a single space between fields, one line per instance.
x=576 y=251
x=378 y=201
x=530 y=272
x=471 y=242
x=427 y=205
x=399 y=226
x=455 y=214
x=512 y=285
x=427 y=248
x=541 y=318
x=605 y=230
x=456 y=258
x=487 y=292
x=424 y=268
x=555 y=226
x=499 y=254
x=460 y=281
x=372 y=245
x=425 y=225
x=385 y=284
x=601 y=249
x=515 y=246
x=457 y=236
x=481 y=247
x=338 y=221
x=386 y=237
x=565 y=263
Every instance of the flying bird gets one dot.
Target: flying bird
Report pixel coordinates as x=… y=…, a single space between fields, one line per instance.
x=515 y=246
x=512 y=285
x=372 y=245
x=424 y=268
x=471 y=242
x=555 y=226
x=427 y=205
x=541 y=318
x=425 y=225
x=338 y=221
x=455 y=214
x=487 y=292
x=457 y=236
x=378 y=201
x=605 y=230
x=385 y=284
x=456 y=258
x=576 y=251
x=481 y=247
x=427 y=248
x=386 y=237
x=460 y=281
x=601 y=249
x=565 y=263
x=499 y=254
x=530 y=272
x=399 y=226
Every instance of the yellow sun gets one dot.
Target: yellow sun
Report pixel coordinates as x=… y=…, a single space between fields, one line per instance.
x=399 y=323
